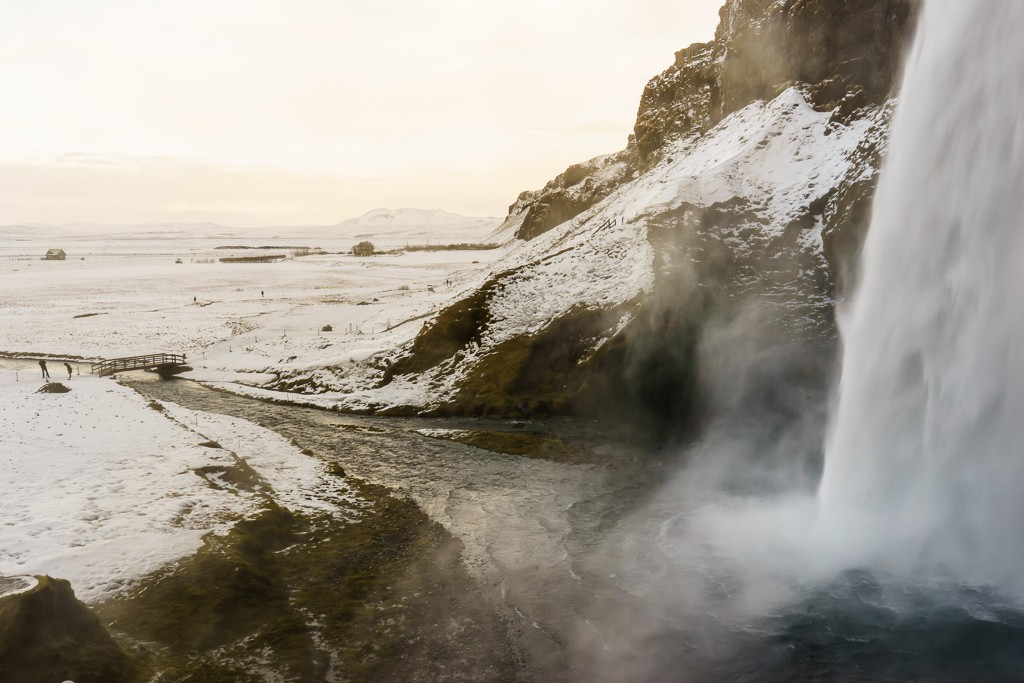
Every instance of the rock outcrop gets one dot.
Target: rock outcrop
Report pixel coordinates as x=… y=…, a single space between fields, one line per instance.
x=846 y=56
x=572 y=192
x=47 y=635
x=695 y=272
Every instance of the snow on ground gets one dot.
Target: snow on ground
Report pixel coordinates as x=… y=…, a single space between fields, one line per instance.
x=100 y=488
x=243 y=324
x=236 y=322
x=297 y=482
x=12 y=585
x=111 y=305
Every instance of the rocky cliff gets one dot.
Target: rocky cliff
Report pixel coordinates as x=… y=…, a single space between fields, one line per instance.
x=694 y=273
x=47 y=635
x=844 y=55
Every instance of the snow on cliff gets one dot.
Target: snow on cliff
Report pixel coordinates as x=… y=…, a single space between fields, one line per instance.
x=777 y=162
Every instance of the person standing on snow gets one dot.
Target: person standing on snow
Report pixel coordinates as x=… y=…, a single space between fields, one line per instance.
x=68 y=366
x=42 y=366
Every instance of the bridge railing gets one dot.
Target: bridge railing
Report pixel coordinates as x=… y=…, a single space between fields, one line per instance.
x=112 y=365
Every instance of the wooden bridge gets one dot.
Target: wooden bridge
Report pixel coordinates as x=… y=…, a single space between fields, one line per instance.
x=165 y=364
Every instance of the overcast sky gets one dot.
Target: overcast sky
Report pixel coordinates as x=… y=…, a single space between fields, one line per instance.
x=271 y=112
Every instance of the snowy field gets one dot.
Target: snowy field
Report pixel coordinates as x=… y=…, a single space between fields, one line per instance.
x=119 y=297
x=98 y=486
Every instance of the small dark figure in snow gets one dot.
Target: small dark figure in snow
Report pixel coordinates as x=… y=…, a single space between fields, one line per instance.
x=261 y=292
x=42 y=366
x=68 y=366
x=193 y=300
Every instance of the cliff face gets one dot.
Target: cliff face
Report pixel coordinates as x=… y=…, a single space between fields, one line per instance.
x=842 y=49
x=693 y=274
x=572 y=192
x=845 y=56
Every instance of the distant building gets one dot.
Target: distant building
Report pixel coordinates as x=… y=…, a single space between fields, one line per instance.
x=55 y=255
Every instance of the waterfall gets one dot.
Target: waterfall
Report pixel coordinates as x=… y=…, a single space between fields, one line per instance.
x=924 y=466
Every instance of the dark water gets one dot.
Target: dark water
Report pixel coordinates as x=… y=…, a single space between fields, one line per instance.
x=570 y=556
x=857 y=629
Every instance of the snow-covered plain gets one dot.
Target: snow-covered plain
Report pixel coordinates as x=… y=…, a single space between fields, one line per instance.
x=100 y=487
x=126 y=294
x=242 y=325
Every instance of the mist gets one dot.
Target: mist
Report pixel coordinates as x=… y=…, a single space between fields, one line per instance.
x=873 y=501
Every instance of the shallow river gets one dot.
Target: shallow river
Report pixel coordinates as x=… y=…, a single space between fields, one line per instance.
x=527 y=525
x=580 y=562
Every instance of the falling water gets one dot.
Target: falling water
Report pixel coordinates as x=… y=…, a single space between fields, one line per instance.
x=924 y=471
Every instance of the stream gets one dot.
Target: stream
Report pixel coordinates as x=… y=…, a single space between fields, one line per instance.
x=598 y=574
x=528 y=526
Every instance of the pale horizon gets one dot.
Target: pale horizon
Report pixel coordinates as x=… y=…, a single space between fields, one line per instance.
x=311 y=113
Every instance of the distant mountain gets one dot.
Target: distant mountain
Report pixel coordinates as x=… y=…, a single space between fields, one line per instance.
x=417 y=224
x=406 y=217
x=434 y=225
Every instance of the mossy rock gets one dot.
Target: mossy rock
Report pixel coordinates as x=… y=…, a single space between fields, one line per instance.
x=47 y=635
x=539 y=374
x=292 y=597
x=450 y=332
x=215 y=597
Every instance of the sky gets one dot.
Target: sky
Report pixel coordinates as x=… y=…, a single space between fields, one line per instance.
x=308 y=112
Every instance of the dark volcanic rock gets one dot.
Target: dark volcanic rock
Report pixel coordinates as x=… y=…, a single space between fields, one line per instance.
x=53 y=388
x=848 y=212
x=573 y=192
x=845 y=55
x=47 y=635
x=694 y=273
x=683 y=99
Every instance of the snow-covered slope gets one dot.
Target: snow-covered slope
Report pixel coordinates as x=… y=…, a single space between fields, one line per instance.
x=81 y=501
x=690 y=271
x=844 y=55
x=739 y=210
